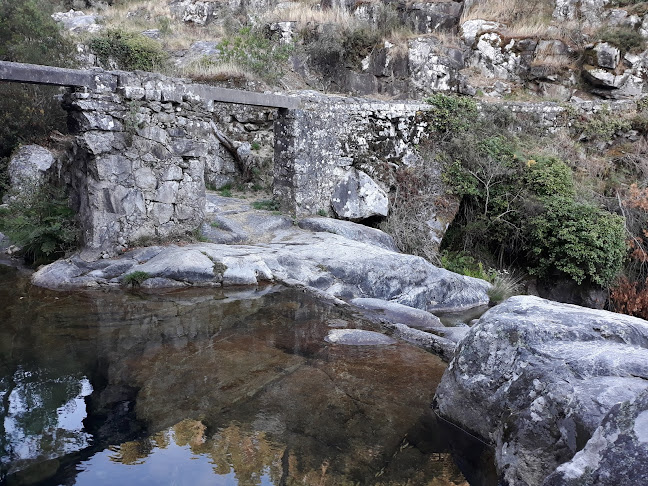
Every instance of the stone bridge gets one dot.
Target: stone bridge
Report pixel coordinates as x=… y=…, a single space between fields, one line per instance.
x=144 y=144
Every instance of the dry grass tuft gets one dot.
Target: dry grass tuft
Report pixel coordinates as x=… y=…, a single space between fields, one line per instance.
x=305 y=14
x=206 y=71
x=523 y=19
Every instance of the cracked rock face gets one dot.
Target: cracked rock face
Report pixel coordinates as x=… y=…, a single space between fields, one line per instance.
x=617 y=453
x=538 y=378
x=358 y=197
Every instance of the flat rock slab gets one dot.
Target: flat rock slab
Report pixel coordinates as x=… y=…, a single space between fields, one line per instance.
x=399 y=313
x=269 y=248
x=537 y=378
x=353 y=231
x=358 y=337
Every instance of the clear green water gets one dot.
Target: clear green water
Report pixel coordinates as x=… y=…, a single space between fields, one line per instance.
x=211 y=387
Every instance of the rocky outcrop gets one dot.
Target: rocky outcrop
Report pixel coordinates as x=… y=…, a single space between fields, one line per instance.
x=538 y=378
x=326 y=262
x=75 y=21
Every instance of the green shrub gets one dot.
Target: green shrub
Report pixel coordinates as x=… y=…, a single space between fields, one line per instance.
x=601 y=126
x=267 y=205
x=29 y=34
x=129 y=50
x=40 y=221
x=252 y=50
x=625 y=38
x=135 y=279
x=549 y=177
x=465 y=264
x=578 y=240
x=452 y=113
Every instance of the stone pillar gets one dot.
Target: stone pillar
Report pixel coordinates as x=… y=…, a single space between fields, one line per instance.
x=139 y=165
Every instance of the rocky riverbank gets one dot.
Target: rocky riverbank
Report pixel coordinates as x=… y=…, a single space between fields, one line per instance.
x=560 y=390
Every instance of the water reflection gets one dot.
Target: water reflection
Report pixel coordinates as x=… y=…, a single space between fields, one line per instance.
x=206 y=387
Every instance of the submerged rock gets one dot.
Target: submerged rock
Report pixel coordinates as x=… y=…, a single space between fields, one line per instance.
x=399 y=313
x=537 y=378
x=358 y=337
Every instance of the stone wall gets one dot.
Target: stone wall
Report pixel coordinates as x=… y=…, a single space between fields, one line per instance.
x=318 y=145
x=139 y=164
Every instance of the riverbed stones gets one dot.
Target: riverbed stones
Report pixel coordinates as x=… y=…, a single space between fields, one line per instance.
x=358 y=337
x=325 y=262
x=537 y=378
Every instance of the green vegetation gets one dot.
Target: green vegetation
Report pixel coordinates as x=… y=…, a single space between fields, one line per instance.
x=520 y=204
x=28 y=113
x=266 y=205
x=250 y=49
x=40 y=222
x=129 y=50
x=135 y=279
x=577 y=239
x=226 y=190
x=452 y=113
x=625 y=38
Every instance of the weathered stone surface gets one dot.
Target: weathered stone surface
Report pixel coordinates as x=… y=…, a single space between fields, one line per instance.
x=358 y=337
x=350 y=230
x=180 y=264
x=29 y=166
x=537 y=378
x=607 y=56
x=434 y=67
x=331 y=264
x=77 y=21
x=399 y=313
x=616 y=454
x=441 y=346
x=357 y=197
x=472 y=28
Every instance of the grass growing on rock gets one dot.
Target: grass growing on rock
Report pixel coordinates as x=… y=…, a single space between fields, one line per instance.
x=135 y=279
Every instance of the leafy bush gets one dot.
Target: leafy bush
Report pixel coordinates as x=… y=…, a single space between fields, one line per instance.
x=29 y=34
x=452 y=113
x=40 y=221
x=250 y=49
x=549 y=177
x=129 y=50
x=465 y=264
x=579 y=240
x=625 y=38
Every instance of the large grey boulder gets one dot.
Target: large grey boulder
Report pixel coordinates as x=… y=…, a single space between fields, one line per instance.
x=536 y=378
x=357 y=197
x=29 y=166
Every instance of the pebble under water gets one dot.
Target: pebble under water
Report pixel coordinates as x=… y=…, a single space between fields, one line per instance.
x=215 y=387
